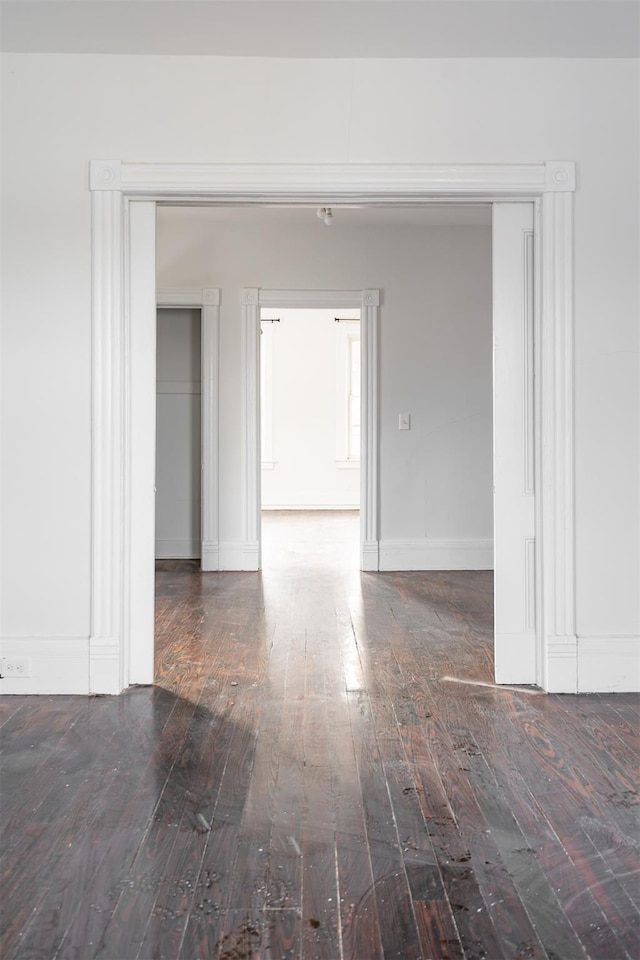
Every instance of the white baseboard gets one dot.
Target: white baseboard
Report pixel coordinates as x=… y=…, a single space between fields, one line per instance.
x=370 y=556
x=561 y=664
x=57 y=665
x=177 y=549
x=587 y=664
x=238 y=555
x=515 y=657
x=250 y=556
x=105 y=661
x=210 y=555
x=230 y=555
x=436 y=554
x=609 y=664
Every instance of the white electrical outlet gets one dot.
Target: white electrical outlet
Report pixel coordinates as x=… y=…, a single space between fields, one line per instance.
x=15 y=668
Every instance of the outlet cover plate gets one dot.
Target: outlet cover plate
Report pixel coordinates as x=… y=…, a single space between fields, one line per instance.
x=15 y=668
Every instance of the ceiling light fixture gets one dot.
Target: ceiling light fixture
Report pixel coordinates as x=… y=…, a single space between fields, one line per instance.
x=326 y=214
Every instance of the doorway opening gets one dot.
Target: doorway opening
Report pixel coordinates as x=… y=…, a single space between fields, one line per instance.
x=364 y=303
x=310 y=420
x=178 y=436
x=123 y=263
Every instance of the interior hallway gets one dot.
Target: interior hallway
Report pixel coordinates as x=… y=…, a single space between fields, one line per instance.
x=324 y=770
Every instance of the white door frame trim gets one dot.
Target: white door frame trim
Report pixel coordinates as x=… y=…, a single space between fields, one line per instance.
x=208 y=302
x=116 y=185
x=368 y=302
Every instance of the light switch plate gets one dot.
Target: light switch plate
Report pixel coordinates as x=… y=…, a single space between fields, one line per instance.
x=404 y=421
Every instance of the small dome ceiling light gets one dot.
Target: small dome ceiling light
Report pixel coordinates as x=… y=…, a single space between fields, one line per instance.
x=326 y=214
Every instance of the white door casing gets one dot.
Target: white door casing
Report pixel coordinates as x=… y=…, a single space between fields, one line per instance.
x=123 y=234
x=139 y=435
x=514 y=517
x=368 y=301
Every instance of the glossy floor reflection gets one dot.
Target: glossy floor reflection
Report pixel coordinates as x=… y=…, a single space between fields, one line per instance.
x=323 y=770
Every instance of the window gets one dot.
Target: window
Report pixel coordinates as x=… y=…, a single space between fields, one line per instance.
x=348 y=394
x=266 y=390
x=353 y=425
x=347 y=386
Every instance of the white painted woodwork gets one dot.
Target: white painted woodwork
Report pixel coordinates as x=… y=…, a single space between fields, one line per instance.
x=333 y=182
x=608 y=664
x=178 y=434
x=556 y=568
x=107 y=671
x=140 y=445
x=253 y=299
x=554 y=280
x=516 y=659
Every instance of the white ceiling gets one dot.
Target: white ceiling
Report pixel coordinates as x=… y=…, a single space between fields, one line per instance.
x=325 y=28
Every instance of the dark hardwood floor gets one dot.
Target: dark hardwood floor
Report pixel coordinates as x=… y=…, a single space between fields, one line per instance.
x=323 y=770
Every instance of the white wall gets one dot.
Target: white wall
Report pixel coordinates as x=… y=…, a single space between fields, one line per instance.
x=435 y=349
x=59 y=111
x=178 y=447
x=301 y=395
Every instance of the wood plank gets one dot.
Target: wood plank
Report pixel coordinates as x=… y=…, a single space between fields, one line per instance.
x=10 y=706
x=320 y=929
x=190 y=796
x=582 y=804
x=284 y=885
x=469 y=903
x=359 y=921
x=219 y=858
x=76 y=841
x=398 y=929
x=287 y=677
x=438 y=933
x=140 y=871
x=460 y=852
x=34 y=755
x=571 y=879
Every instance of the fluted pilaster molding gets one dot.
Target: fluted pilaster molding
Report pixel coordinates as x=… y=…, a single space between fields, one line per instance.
x=107 y=520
